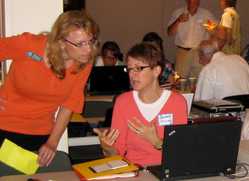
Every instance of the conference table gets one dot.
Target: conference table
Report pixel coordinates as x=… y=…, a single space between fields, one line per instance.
x=143 y=175
x=96 y=115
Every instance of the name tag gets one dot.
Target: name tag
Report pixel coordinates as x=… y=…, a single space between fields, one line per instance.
x=34 y=56
x=165 y=119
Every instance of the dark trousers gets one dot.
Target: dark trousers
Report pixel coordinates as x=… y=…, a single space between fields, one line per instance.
x=29 y=142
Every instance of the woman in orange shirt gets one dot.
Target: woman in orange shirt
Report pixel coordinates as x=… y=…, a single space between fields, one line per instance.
x=48 y=73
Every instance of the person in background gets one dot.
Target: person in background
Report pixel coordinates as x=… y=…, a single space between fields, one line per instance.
x=140 y=115
x=219 y=36
x=110 y=55
x=230 y=21
x=186 y=24
x=223 y=75
x=168 y=73
x=47 y=73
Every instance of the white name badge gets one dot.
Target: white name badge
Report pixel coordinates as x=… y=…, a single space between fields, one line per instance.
x=165 y=119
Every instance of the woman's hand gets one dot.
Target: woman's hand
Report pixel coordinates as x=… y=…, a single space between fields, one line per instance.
x=147 y=132
x=46 y=154
x=107 y=138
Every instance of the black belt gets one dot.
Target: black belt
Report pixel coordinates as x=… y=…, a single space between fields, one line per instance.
x=187 y=49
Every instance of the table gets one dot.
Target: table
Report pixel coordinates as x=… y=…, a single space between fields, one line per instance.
x=143 y=175
x=94 y=112
x=98 y=114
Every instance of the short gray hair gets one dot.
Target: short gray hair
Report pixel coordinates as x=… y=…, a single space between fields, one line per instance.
x=208 y=47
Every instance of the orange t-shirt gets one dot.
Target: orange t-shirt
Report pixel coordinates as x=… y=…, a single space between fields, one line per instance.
x=32 y=92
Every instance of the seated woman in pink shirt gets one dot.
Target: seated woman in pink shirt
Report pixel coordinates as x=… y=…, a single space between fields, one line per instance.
x=139 y=116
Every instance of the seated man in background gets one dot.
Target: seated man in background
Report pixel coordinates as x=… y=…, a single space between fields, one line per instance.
x=110 y=55
x=223 y=75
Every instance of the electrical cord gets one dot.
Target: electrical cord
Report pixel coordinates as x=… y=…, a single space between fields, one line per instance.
x=241 y=171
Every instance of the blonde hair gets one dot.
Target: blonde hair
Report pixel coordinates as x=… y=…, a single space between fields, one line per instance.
x=64 y=24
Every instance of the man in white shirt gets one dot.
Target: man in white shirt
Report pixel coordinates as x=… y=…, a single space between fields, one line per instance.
x=222 y=75
x=187 y=25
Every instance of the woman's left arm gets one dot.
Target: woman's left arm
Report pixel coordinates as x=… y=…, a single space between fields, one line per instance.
x=47 y=151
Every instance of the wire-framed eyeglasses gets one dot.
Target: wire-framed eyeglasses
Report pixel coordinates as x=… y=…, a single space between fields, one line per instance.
x=81 y=44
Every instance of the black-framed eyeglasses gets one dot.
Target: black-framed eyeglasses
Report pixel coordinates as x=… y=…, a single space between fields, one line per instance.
x=137 y=69
x=81 y=44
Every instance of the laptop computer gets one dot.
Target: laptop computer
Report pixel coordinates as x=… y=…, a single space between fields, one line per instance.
x=199 y=150
x=108 y=80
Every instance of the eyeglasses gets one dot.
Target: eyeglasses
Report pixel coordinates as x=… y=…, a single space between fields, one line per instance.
x=137 y=69
x=91 y=42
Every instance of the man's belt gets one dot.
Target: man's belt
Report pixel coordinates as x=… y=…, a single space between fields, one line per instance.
x=187 y=49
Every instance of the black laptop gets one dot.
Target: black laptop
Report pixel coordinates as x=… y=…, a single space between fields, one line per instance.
x=108 y=80
x=199 y=150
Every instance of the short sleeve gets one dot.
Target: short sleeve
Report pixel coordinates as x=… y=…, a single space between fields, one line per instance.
x=10 y=45
x=175 y=15
x=226 y=20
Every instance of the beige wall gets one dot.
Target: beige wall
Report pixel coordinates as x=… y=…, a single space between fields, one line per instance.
x=127 y=21
x=30 y=15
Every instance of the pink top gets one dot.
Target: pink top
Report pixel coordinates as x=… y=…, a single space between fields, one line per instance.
x=129 y=144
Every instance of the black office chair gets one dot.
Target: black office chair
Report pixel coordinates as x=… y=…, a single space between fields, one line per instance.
x=242 y=99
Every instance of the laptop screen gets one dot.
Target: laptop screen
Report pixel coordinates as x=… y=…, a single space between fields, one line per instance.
x=108 y=80
x=200 y=149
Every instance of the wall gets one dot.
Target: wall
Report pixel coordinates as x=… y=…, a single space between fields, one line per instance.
x=30 y=15
x=127 y=24
x=127 y=21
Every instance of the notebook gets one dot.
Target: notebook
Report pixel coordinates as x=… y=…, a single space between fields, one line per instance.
x=108 y=80
x=199 y=150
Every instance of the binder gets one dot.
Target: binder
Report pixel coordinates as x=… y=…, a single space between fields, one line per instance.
x=109 y=167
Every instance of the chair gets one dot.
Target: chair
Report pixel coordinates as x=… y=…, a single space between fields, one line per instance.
x=63 y=143
x=94 y=112
x=189 y=98
x=88 y=147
